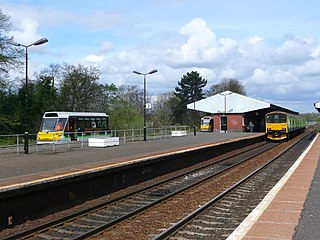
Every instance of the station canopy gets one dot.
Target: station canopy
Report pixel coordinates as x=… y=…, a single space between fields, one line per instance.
x=230 y=102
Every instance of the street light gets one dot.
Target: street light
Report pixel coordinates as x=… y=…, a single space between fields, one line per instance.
x=194 y=108
x=36 y=43
x=224 y=94
x=144 y=100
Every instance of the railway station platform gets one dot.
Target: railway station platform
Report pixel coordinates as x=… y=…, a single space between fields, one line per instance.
x=291 y=210
x=20 y=168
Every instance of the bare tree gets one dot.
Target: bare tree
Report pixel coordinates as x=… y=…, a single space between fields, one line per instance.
x=163 y=109
x=229 y=84
x=9 y=55
x=79 y=88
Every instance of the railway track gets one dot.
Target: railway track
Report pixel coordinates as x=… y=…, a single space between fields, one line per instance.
x=111 y=214
x=234 y=204
x=91 y=221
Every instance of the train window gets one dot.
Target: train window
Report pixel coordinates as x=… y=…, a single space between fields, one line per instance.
x=276 y=118
x=48 y=124
x=61 y=122
x=283 y=118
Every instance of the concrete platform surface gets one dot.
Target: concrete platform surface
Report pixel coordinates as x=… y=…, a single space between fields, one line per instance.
x=20 y=165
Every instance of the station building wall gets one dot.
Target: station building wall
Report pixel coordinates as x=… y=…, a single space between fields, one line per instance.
x=234 y=122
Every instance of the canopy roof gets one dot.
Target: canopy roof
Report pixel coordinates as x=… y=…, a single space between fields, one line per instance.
x=230 y=102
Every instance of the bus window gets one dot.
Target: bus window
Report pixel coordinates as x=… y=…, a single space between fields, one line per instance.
x=104 y=123
x=48 y=124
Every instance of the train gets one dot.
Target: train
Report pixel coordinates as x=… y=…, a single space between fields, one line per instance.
x=206 y=124
x=66 y=127
x=282 y=125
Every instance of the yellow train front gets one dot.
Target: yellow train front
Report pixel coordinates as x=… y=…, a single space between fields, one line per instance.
x=282 y=125
x=206 y=124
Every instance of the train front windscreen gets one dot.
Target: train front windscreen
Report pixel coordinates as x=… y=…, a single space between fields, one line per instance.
x=52 y=124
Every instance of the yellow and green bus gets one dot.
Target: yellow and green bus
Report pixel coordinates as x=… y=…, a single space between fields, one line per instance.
x=64 y=127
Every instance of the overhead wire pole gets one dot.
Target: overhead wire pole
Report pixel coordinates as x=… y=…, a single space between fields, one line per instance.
x=36 y=43
x=144 y=100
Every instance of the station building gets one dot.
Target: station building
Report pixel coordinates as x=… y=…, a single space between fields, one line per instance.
x=233 y=112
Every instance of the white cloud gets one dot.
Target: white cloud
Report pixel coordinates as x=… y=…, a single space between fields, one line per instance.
x=94 y=58
x=27 y=33
x=202 y=48
x=255 y=40
x=265 y=71
x=259 y=59
x=106 y=46
x=294 y=50
x=316 y=52
x=309 y=68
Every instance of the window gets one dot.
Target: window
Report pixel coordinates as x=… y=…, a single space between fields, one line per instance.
x=277 y=118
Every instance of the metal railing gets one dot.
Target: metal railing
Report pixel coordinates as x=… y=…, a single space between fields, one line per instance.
x=14 y=143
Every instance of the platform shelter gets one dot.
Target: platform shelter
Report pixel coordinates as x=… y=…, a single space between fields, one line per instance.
x=234 y=112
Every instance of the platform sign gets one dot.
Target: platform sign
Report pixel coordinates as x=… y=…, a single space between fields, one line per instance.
x=148 y=105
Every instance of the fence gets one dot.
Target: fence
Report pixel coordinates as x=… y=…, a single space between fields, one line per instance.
x=14 y=143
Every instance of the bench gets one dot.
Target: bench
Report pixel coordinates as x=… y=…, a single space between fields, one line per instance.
x=103 y=142
x=179 y=133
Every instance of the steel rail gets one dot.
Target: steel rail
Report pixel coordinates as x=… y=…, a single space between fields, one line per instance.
x=183 y=222
x=29 y=233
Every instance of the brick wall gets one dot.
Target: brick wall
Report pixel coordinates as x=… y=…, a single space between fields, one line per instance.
x=234 y=123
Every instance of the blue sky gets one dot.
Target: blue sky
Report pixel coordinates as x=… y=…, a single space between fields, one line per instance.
x=271 y=47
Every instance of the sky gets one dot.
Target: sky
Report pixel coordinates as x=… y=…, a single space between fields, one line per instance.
x=270 y=46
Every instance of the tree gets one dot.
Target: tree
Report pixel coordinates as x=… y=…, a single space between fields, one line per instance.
x=44 y=98
x=127 y=108
x=163 y=109
x=9 y=55
x=10 y=114
x=230 y=84
x=107 y=94
x=124 y=115
x=54 y=72
x=79 y=88
x=190 y=89
x=131 y=94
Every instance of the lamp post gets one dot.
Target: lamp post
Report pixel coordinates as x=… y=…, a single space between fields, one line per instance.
x=194 y=108
x=225 y=107
x=36 y=43
x=144 y=100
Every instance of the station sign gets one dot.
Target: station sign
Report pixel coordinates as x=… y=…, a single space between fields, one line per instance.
x=148 y=106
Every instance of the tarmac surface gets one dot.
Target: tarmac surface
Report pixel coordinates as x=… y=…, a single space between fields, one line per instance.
x=17 y=165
